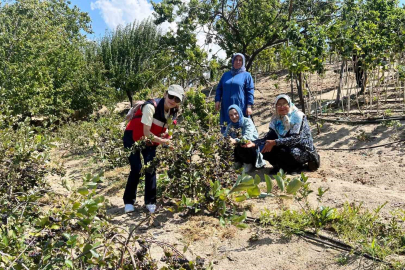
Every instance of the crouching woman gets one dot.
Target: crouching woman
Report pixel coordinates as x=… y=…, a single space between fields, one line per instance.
x=249 y=157
x=149 y=120
x=288 y=144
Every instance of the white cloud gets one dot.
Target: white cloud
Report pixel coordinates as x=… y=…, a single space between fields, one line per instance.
x=122 y=12
x=116 y=12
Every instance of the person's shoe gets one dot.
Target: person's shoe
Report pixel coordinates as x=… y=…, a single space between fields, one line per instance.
x=237 y=165
x=247 y=167
x=274 y=170
x=129 y=208
x=151 y=208
x=314 y=163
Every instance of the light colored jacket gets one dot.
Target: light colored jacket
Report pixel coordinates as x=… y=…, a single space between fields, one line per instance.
x=249 y=132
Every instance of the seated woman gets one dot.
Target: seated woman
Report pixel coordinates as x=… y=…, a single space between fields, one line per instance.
x=248 y=156
x=288 y=144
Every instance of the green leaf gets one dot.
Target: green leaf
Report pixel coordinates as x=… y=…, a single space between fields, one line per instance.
x=69 y=263
x=92 y=185
x=239 y=218
x=222 y=221
x=254 y=192
x=269 y=183
x=241 y=188
x=72 y=241
x=55 y=227
x=280 y=182
x=247 y=179
x=94 y=253
x=76 y=205
x=87 y=248
x=83 y=191
x=242 y=225
x=257 y=179
x=294 y=186
x=240 y=198
x=5 y=240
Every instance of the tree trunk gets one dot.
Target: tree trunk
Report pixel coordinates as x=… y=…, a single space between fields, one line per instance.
x=292 y=86
x=300 y=94
x=339 y=91
x=129 y=95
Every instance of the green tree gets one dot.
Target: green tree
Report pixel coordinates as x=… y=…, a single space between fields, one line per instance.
x=41 y=57
x=188 y=62
x=247 y=26
x=306 y=52
x=367 y=32
x=134 y=57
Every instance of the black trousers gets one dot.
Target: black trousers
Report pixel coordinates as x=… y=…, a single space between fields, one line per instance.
x=245 y=155
x=281 y=157
x=133 y=179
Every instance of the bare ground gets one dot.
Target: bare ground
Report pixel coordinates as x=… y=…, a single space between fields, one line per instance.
x=372 y=176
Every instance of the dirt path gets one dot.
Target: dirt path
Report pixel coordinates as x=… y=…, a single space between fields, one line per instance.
x=372 y=176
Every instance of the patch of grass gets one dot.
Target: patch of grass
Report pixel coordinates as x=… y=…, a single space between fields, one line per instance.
x=342 y=259
x=364 y=137
x=364 y=229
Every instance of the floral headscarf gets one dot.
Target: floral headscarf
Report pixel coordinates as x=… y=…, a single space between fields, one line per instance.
x=291 y=122
x=235 y=71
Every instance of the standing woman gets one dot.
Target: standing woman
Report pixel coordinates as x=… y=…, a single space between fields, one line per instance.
x=249 y=157
x=288 y=144
x=148 y=120
x=235 y=87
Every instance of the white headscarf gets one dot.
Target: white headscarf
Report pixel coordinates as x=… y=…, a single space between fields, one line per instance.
x=291 y=122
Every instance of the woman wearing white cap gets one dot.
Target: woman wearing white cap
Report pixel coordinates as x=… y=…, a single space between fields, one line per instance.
x=148 y=119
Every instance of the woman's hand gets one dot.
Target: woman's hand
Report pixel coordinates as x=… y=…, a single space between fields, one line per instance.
x=163 y=141
x=233 y=141
x=249 y=144
x=217 y=105
x=269 y=146
x=249 y=111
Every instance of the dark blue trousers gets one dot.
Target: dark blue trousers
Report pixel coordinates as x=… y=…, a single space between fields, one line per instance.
x=133 y=179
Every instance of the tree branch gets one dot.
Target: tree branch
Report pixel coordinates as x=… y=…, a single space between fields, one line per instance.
x=272 y=42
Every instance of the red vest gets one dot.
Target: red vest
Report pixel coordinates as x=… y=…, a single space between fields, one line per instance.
x=134 y=129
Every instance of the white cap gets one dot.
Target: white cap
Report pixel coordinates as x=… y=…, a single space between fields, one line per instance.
x=176 y=90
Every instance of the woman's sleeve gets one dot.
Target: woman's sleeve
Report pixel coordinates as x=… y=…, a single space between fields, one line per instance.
x=249 y=90
x=270 y=135
x=250 y=132
x=293 y=140
x=218 y=93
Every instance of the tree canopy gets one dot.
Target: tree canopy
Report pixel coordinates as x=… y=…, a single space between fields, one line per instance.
x=248 y=27
x=43 y=69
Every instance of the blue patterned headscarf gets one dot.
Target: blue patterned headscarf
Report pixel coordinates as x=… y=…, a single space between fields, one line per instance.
x=238 y=124
x=235 y=71
x=291 y=122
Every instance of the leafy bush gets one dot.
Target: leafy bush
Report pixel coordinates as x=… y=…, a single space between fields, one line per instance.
x=43 y=230
x=48 y=67
x=102 y=136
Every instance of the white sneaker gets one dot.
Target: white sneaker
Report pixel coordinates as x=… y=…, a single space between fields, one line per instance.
x=129 y=208
x=151 y=208
x=247 y=167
